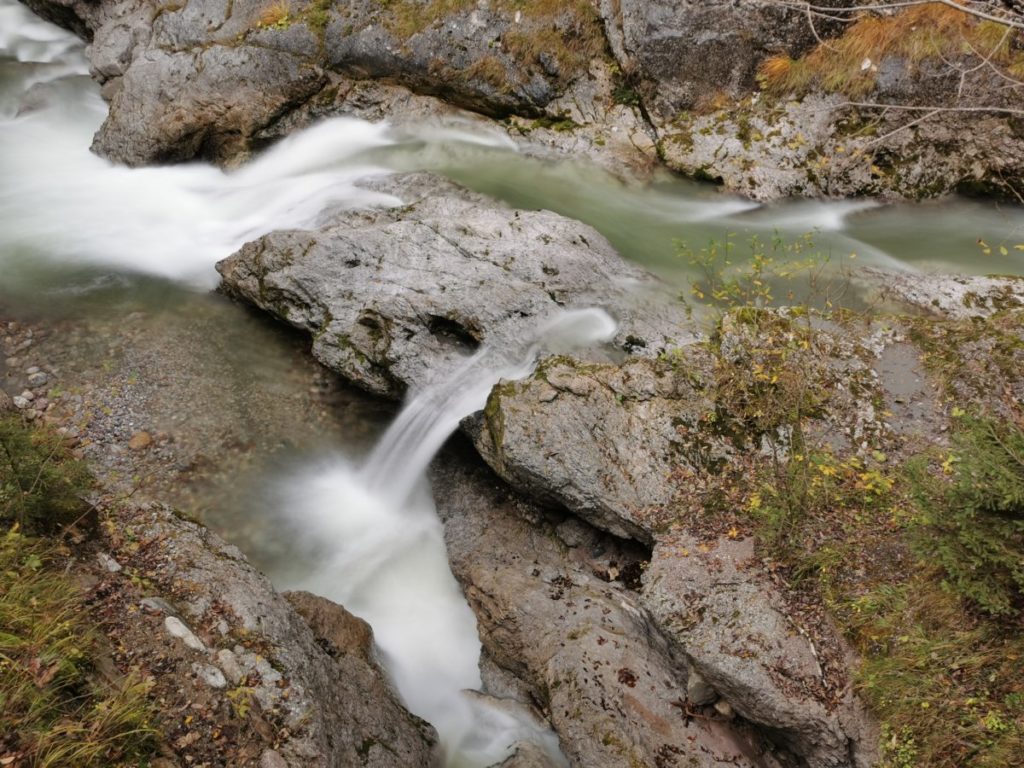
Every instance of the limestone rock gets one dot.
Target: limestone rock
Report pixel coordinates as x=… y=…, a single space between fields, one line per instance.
x=332 y=705
x=343 y=632
x=603 y=673
x=395 y=298
x=680 y=51
x=605 y=444
x=954 y=296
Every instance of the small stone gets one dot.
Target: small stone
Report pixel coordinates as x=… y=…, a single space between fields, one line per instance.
x=158 y=605
x=108 y=562
x=29 y=395
x=21 y=403
x=38 y=379
x=177 y=629
x=272 y=759
x=140 y=440
x=33 y=370
x=210 y=675
x=723 y=708
x=572 y=532
x=698 y=691
x=229 y=663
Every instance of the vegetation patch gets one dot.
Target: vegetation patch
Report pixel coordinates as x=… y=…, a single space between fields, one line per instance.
x=42 y=487
x=560 y=37
x=920 y=561
x=932 y=32
x=55 y=709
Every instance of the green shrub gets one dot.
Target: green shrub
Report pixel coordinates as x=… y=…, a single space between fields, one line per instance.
x=41 y=484
x=974 y=524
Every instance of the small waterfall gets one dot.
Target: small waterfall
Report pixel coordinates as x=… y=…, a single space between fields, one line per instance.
x=378 y=548
x=428 y=419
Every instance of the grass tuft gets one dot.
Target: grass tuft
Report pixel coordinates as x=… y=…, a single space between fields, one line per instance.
x=849 y=63
x=55 y=712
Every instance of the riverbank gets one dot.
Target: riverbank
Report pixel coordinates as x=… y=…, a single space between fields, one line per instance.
x=704 y=531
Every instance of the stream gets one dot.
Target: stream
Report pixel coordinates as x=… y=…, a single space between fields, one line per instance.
x=79 y=232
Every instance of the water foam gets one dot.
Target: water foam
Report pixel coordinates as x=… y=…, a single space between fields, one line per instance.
x=379 y=550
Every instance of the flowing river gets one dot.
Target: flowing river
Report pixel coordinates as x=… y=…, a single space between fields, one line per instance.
x=74 y=227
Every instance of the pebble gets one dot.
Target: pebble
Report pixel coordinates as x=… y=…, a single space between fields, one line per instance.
x=33 y=370
x=229 y=663
x=108 y=562
x=140 y=440
x=29 y=395
x=272 y=759
x=177 y=629
x=209 y=674
x=38 y=379
x=698 y=691
x=20 y=402
x=158 y=605
x=723 y=708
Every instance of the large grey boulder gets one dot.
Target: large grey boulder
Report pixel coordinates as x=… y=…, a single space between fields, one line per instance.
x=206 y=78
x=585 y=647
x=602 y=440
x=681 y=52
x=743 y=639
x=395 y=298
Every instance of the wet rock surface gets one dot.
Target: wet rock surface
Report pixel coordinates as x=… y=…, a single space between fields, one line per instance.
x=395 y=298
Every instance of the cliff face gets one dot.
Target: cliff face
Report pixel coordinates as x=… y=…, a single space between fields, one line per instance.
x=769 y=100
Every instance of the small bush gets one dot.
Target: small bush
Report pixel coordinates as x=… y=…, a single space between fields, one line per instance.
x=277 y=14
x=974 y=525
x=41 y=484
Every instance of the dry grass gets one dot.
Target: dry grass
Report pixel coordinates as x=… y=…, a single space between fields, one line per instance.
x=932 y=32
x=276 y=14
x=55 y=712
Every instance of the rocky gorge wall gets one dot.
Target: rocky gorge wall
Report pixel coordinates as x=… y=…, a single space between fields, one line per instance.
x=743 y=93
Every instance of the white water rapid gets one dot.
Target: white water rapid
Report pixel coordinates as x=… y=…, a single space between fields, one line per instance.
x=379 y=547
x=174 y=221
